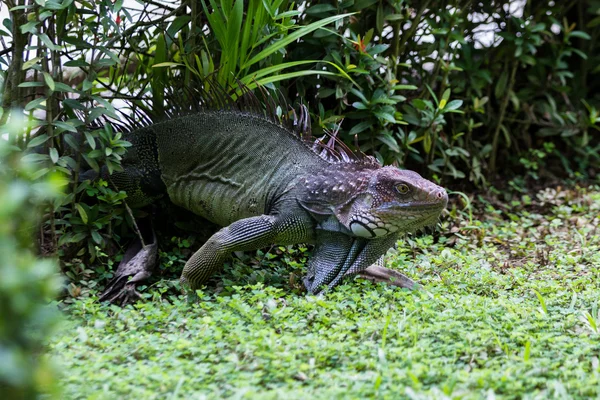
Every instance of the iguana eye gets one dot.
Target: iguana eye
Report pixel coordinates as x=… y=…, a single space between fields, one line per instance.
x=402 y=188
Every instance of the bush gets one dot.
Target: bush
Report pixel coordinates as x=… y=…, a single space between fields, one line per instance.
x=452 y=87
x=27 y=283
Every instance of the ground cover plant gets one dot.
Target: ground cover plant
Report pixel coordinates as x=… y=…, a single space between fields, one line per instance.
x=508 y=309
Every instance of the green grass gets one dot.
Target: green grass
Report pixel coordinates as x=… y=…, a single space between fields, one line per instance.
x=509 y=308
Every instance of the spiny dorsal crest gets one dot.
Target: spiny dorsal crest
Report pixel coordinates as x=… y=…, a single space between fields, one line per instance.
x=212 y=97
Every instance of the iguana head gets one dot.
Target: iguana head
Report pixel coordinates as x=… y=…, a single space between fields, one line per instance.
x=394 y=201
x=374 y=202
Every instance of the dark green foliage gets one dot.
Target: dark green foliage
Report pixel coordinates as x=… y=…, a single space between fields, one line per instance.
x=529 y=86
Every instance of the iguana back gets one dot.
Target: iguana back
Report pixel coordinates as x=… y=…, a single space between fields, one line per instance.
x=221 y=165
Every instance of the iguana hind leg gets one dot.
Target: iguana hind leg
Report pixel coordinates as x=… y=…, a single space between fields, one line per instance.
x=137 y=264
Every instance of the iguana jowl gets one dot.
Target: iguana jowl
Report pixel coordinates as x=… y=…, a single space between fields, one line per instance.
x=265 y=184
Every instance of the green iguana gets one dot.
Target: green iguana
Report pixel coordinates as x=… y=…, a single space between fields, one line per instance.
x=265 y=182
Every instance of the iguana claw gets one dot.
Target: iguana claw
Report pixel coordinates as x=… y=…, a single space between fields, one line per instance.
x=376 y=273
x=137 y=263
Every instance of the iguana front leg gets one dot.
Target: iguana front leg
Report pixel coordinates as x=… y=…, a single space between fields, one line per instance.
x=337 y=255
x=246 y=234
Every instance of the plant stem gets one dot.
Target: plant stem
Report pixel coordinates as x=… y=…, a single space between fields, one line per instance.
x=12 y=96
x=410 y=33
x=503 y=106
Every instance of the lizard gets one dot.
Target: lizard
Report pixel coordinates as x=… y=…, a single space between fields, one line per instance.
x=266 y=180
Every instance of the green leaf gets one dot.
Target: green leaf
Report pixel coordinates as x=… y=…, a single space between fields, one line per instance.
x=65 y=126
x=118 y=4
x=234 y=27
x=359 y=94
x=404 y=87
x=74 y=104
x=500 y=88
x=580 y=53
x=82 y=213
x=420 y=104
x=427 y=143
x=379 y=18
x=54 y=155
x=593 y=23
x=49 y=81
x=527 y=352
x=31 y=84
x=109 y=53
x=580 y=34
x=362 y=4
x=62 y=87
x=446 y=95
x=44 y=38
x=30 y=63
x=542 y=301
x=77 y=63
x=390 y=142
x=177 y=24
x=87 y=84
x=91 y=162
x=273 y=69
x=39 y=173
x=394 y=17
x=290 y=75
x=90 y=140
x=432 y=94
x=527 y=59
x=320 y=9
x=168 y=64
x=96 y=237
x=292 y=38
x=35 y=104
x=38 y=140
x=35 y=157
x=361 y=126
x=385 y=116
x=75 y=41
x=71 y=142
x=30 y=27
x=453 y=105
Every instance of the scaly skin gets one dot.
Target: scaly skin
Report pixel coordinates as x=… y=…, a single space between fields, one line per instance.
x=266 y=185
x=366 y=210
x=352 y=212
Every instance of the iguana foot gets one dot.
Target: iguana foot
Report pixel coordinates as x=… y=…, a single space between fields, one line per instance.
x=137 y=263
x=376 y=273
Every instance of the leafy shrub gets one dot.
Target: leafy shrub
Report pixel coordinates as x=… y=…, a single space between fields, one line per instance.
x=27 y=283
x=520 y=75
